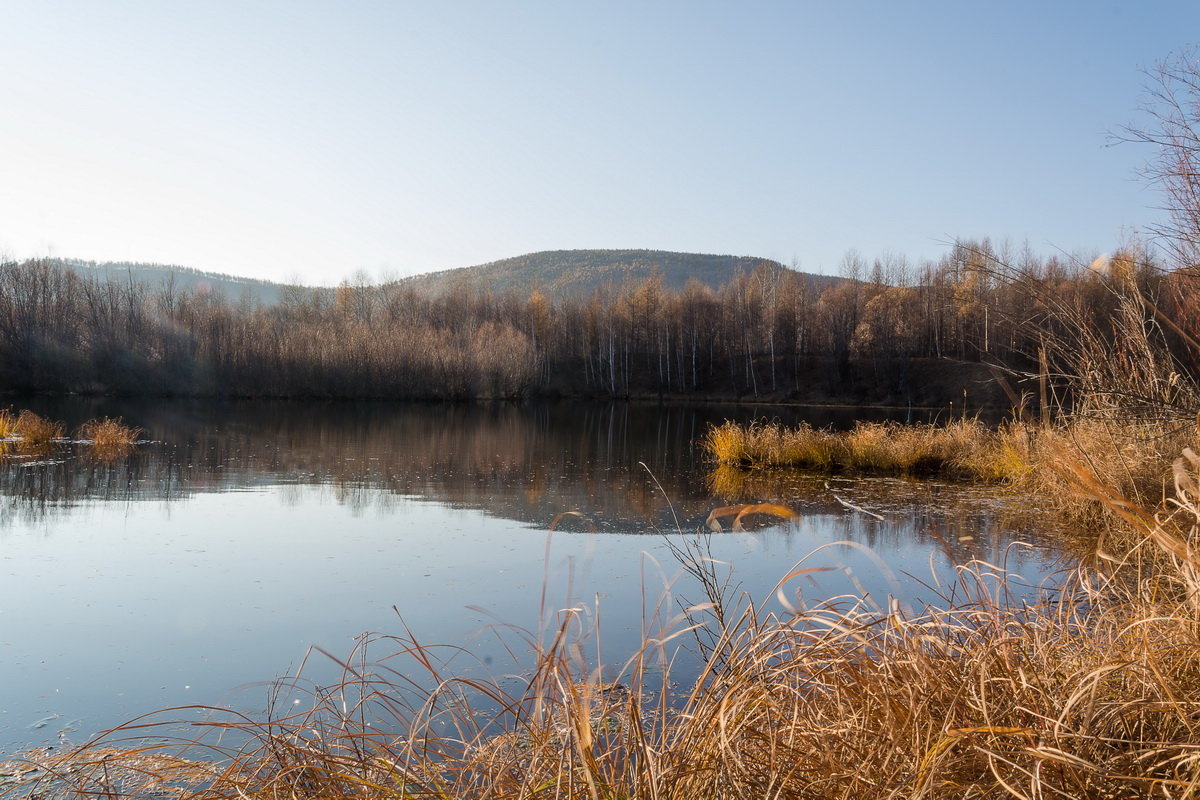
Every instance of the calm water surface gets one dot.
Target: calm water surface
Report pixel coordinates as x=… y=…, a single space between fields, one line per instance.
x=214 y=557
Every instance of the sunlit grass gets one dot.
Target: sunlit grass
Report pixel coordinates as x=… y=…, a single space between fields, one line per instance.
x=107 y=432
x=1029 y=458
x=8 y=423
x=106 y=437
x=36 y=430
x=963 y=449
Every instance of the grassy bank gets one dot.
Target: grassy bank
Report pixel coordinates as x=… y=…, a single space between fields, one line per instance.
x=1041 y=460
x=966 y=449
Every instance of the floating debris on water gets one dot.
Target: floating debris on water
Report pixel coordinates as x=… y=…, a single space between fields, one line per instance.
x=44 y=721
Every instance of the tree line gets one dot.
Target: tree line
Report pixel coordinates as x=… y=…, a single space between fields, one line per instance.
x=890 y=329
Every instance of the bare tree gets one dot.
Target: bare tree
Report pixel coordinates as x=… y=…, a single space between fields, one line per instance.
x=1172 y=126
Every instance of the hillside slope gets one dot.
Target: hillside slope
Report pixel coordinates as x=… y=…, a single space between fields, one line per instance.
x=563 y=273
x=182 y=279
x=557 y=273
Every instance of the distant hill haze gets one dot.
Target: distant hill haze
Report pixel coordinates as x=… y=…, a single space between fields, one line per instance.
x=556 y=273
x=182 y=279
x=567 y=273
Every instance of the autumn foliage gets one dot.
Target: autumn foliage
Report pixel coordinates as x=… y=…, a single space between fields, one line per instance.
x=981 y=326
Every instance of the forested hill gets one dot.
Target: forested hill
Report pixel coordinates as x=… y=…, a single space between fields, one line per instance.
x=557 y=273
x=920 y=334
x=180 y=279
x=567 y=273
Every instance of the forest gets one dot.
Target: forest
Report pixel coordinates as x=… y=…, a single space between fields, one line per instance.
x=983 y=325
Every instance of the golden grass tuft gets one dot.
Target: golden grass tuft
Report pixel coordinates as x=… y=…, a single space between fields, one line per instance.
x=109 y=438
x=8 y=423
x=965 y=449
x=37 y=431
x=107 y=431
x=1030 y=458
x=772 y=445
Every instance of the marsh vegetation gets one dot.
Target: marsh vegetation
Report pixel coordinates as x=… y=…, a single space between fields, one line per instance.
x=27 y=430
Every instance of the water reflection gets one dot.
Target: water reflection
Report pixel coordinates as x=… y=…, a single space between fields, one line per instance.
x=214 y=555
x=614 y=467
x=523 y=464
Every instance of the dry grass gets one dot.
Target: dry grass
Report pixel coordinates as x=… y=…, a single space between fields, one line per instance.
x=1133 y=459
x=8 y=423
x=108 y=432
x=37 y=431
x=108 y=437
x=964 y=449
x=825 y=702
x=8 y=430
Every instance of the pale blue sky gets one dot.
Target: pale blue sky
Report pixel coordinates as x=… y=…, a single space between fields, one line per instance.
x=311 y=140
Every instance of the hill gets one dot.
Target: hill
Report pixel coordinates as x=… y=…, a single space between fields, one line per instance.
x=183 y=279
x=557 y=273
x=563 y=273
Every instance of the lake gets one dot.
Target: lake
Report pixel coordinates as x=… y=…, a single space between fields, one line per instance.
x=211 y=559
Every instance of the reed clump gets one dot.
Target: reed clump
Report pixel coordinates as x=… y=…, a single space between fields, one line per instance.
x=8 y=423
x=965 y=449
x=36 y=430
x=31 y=430
x=1032 y=459
x=107 y=438
x=108 y=432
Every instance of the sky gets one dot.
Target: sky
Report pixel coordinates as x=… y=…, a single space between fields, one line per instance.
x=308 y=141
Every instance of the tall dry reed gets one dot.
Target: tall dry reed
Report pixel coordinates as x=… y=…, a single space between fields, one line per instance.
x=108 y=431
x=1133 y=459
x=965 y=449
x=37 y=431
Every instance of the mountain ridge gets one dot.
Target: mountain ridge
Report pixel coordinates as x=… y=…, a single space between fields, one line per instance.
x=556 y=273
x=564 y=273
